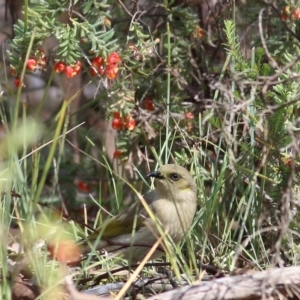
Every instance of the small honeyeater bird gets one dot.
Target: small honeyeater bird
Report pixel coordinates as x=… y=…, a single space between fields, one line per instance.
x=133 y=232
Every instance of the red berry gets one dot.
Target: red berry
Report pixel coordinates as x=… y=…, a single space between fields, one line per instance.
x=111 y=72
x=148 y=104
x=70 y=72
x=84 y=187
x=77 y=67
x=113 y=59
x=116 y=115
x=189 y=115
x=97 y=61
x=117 y=154
x=296 y=13
x=18 y=82
x=94 y=70
x=97 y=66
x=112 y=65
x=131 y=124
x=31 y=64
x=117 y=124
x=59 y=67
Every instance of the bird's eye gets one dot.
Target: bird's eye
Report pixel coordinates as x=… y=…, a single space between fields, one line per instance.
x=175 y=176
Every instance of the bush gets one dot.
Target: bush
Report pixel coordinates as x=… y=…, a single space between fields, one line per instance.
x=213 y=88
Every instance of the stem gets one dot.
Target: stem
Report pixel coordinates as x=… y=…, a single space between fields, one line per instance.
x=52 y=150
x=168 y=90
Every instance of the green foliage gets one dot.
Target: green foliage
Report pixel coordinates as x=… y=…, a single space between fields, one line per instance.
x=42 y=21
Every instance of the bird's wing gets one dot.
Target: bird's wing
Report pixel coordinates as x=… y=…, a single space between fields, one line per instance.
x=125 y=223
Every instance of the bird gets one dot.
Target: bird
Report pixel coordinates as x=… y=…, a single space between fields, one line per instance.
x=132 y=233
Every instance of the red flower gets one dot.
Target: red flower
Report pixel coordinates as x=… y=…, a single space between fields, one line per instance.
x=84 y=187
x=296 y=13
x=97 y=66
x=72 y=71
x=112 y=65
x=77 y=67
x=119 y=123
x=69 y=72
x=148 y=104
x=31 y=64
x=189 y=115
x=117 y=154
x=113 y=59
x=97 y=61
x=111 y=72
x=18 y=82
x=131 y=124
x=59 y=67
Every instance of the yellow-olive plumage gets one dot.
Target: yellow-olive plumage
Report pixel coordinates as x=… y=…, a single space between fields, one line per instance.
x=132 y=232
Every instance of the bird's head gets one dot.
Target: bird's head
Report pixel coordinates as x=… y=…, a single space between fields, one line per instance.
x=174 y=182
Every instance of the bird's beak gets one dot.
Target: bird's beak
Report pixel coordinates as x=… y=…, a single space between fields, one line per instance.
x=156 y=174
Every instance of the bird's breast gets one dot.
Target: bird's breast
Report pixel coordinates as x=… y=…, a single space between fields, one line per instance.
x=176 y=218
